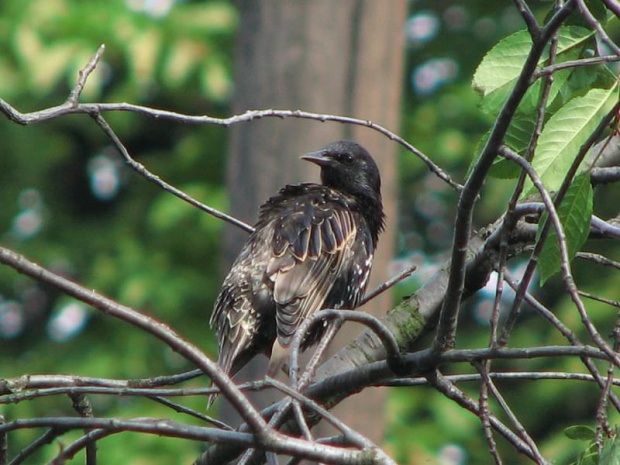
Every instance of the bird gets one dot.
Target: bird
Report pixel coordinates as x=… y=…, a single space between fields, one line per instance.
x=312 y=248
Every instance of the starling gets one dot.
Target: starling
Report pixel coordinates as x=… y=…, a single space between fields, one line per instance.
x=312 y=248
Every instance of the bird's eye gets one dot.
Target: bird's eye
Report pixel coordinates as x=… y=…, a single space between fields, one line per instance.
x=346 y=158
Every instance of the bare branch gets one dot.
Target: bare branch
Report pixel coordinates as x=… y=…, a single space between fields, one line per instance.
x=567 y=333
x=83 y=76
x=594 y=24
x=251 y=115
x=455 y=394
x=168 y=428
x=388 y=284
x=553 y=218
x=529 y=19
x=351 y=436
x=513 y=418
x=550 y=69
x=497 y=375
x=446 y=330
x=613 y=303
x=82 y=406
x=602 y=423
x=142 y=171
x=605 y=175
x=201 y=416
x=322 y=346
x=600 y=259
x=484 y=413
x=9 y=385
x=46 y=438
x=394 y=359
x=157 y=329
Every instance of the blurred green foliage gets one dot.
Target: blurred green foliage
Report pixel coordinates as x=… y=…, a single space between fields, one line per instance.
x=72 y=205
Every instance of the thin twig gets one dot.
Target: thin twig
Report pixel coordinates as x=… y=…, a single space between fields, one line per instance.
x=567 y=333
x=448 y=389
x=602 y=423
x=82 y=406
x=594 y=24
x=83 y=76
x=521 y=431
x=19 y=384
x=550 y=69
x=613 y=303
x=251 y=115
x=352 y=436
x=600 y=259
x=445 y=338
x=484 y=412
x=141 y=169
x=554 y=220
x=497 y=375
x=46 y=438
x=312 y=365
x=201 y=416
x=151 y=326
x=169 y=428
x=529 y=19
x=404 y=274
x=372 y=322
x=567 y=277
x=301 y=421
x=510 y=218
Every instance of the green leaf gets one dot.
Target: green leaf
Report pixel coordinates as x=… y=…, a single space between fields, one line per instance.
x=580 y=433
x=575 y=213
x=517 y=138
x=610 y=455
x=564 y=134
x=584 y=78
x=497 y=73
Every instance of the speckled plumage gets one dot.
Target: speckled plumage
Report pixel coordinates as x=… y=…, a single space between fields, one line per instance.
x=312 y=248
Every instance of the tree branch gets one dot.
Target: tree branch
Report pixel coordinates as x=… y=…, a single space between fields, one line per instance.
x=446 y=332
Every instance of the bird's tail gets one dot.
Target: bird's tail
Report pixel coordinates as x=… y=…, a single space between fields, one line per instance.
x=278 y=359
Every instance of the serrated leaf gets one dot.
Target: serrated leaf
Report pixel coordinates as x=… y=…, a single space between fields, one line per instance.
x=575 y=213
x=564 y=134
x=497 y=73
x=580 y=433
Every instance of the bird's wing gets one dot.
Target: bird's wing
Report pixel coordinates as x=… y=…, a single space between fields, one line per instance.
x=234 y=318
x=311 y=244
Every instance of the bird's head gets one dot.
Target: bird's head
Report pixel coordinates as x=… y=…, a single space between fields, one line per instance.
x=347 y=166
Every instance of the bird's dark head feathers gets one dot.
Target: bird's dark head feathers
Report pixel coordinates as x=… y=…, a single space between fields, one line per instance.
x=348 y=167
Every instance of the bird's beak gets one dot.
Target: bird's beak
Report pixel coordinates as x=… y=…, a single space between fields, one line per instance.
x=319 y=158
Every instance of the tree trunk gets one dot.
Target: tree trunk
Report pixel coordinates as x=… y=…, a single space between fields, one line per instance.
x=322 y=56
